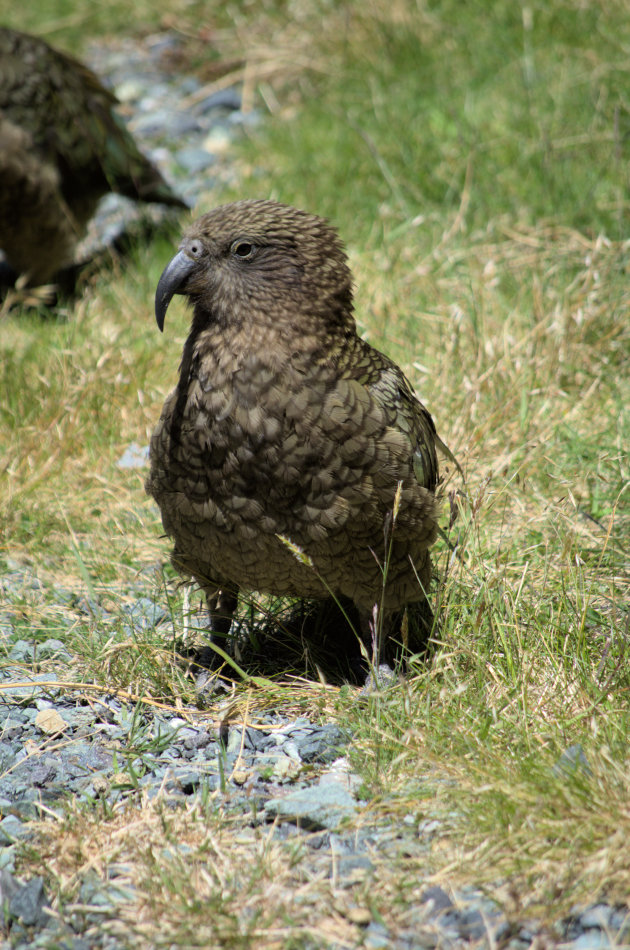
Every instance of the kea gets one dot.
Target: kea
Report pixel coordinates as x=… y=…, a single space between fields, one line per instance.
x=291 y=458
x=62 y=147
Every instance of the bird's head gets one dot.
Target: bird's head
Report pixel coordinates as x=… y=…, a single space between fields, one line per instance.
x=260 y=261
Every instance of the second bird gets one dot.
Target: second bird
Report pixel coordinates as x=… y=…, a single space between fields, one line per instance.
x=286 y=432
x=62 y=147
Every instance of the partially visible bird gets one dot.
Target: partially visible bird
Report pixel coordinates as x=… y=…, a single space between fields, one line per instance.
x=292 y=457
x=62 y=147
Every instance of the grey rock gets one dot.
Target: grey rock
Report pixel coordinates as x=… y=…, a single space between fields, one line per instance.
x=194 y=160
x=164 y=122
x=22 y=651
x=7 y=863
x=134 y=456
x=437 y=900
x=186 y=782
x=259 y=740
x=376 y=936
x=28 y=904
x=592 y=940
x=315 y=808
x=246 y=119
x=348 y=864
x=12 y=829
x=223 y=99
x=572 y=762
x=52 y=647
x=200 y=740
x=144 y=614
x=291 y=750
x=94 y=893
x=9 y=887
x=324 y=745
x=43 y=773
x=11 y=728
x=597 y=916
x=468 y=923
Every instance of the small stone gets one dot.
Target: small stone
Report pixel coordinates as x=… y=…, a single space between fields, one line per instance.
x=437 y=899
x=591 y=940
x=43 y=774
x=50 y=722
x=360 y=916
x=323 y=745
x=194 y=160
x=315 y=808
x=11 y=829
x=468 y=923
x=240 y=776
x=218 y=141
x=9 y=886
x=28 y=902
x=223 y=99
x=188 y=782
x=144 y=614
x=11 y=729
x=22 y=651
x=354 y=866
x=52 y=647
x=285 y=768
x=377 y=936
x=130 y=90
x=100 y=784
x=572 y=762
x=290 y=748
x=597 y=916
x=134 y=456
x=235 y=741
x=259 y=740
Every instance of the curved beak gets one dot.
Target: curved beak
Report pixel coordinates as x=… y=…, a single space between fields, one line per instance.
x=173 y=277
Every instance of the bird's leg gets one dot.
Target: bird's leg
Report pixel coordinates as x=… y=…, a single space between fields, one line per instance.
x=374 y=628
x=221 y=606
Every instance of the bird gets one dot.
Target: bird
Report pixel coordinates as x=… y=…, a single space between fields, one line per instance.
x=62 y=147
x=291 y=457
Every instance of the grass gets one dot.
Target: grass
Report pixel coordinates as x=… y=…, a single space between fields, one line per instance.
x=476 y=165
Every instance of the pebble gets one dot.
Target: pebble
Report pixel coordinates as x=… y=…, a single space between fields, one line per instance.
x=314 y=808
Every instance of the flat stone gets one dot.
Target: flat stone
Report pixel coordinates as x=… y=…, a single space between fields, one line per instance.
x=572 y=762
x=592 y=940
x=316 y=808
x=11 y=829
x=28 y=902
x=223 y=99
x=437 y=899
x=323 y=745
x=194 y=159
x=597 y=916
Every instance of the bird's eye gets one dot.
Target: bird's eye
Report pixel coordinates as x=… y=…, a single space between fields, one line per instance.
x=243 y=249
x=195 y=249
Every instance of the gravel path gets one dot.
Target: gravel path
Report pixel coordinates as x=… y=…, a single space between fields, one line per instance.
x=57 y=743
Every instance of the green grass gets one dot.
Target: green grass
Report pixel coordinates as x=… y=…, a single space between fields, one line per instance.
x=475 y=161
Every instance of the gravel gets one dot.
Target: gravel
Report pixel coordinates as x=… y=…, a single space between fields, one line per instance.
x=295 y=771
x=182 y=126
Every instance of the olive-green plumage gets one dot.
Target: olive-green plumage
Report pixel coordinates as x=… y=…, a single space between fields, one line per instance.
x=62 y=147
x=286 y=426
